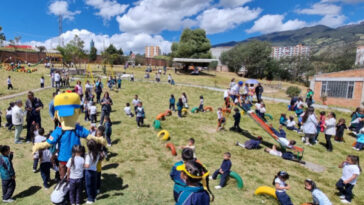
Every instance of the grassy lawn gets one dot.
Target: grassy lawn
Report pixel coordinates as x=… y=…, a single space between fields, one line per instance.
x=140 y=159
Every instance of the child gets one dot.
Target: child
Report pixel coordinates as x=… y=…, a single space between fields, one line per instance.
x=179 y=107
x=140 y=115
x=119 y=82
x=103 y=153
x=9 y=120
x=351 y=171
x=127 y=110
x=340 y=128
x=7 y=173
x=93 y=129
x=280 y=184
x=42 y=82
x=200 y=108
x=86 y=109
x=93 y=112
x=359 y=141
x=179 y=184
x=45 y=157
x=169 y=78
x=251 y=144
x=108 y=130
x=75 y=174
x=283 y=119
x=319 y=198
x=172 y=102
x=291 y=124
x=90 y=174
x=184 y=100
x=262 y=111
x=322 y=121
x=193 y=173
x=135 y=102
x=299 y=110
x=237 y=117
x=191 y=145
x=37 y=139
x=132 y=77
x=330 y=130
x=224 y=170
x=10 y=85
x=220 y=119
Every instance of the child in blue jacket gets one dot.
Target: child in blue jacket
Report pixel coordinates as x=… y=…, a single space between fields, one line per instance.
x=224 y=170
x=7 y=173
x=172 y=102
x=194 y=192
x=179 y=184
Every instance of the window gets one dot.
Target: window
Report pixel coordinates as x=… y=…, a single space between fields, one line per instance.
x=338 y=89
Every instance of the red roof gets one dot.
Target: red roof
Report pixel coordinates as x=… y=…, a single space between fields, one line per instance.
x=19 y=46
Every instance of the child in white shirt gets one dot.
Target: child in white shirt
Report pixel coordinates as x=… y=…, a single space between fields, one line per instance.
x=127 y=110
x=291 y=124
x=351 y=171
x=37 y=139
x=75 y=167
x=93 y=112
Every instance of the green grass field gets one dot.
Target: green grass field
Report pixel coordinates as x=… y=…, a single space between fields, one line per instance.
x=140 y=160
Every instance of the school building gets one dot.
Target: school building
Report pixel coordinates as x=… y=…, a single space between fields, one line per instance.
x=343 y=88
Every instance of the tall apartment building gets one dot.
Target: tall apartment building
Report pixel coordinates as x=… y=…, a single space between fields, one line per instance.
x=151 y=51
x=290 y=51
x=359 y=56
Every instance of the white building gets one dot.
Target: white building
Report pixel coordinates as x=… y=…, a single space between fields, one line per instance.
x=359 y=56
x=290 y=51
x=216 y=53
x=152 y=51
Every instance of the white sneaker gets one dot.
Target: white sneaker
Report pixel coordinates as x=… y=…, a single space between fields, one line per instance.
x=218 y=187
x=8 y=200
x=109 y=145
x=210 y=177
x=303 y=139
x=89 y=202
x=342 y=197
x=34 y=170
x=98 y=191
x=344 y=201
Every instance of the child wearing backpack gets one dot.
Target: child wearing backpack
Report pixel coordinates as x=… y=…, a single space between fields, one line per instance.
x=7 y=173
x=75 y=166
x=281 y=186
x=193 y=173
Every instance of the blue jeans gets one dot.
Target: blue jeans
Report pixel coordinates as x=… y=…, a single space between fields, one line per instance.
x=283 y=198
x=359 y=145
x=345 y=189
x=8 y=188
x=45 y=172
x=223 y=179
x=91 y=185
x=75 y=191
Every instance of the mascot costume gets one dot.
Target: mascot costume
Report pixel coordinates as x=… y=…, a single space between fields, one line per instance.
x=67 y=110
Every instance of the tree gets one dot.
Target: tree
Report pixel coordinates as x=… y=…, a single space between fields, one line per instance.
x=41 y=49
x=112 y=56
x=73 y=51
x=254 y=55
x=192 y=44
x=2 y=36
x=297 y=67
x=93 y=54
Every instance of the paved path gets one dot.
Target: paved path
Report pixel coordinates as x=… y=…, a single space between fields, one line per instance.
x=22 y=93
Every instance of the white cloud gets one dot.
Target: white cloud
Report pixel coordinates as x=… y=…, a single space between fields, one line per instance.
x=321 y=9
x=218 y=20
x=332 y=20
x=345 y=1
x=126 y=41
x=233 y=3
x=273 y=23
x=107 y=8
x=61 y=8
x=154 y=16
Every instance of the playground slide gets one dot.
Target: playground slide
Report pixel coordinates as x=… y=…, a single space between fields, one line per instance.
x=266 y=128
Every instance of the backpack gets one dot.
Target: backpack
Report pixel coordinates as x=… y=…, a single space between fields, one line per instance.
x=60 y=192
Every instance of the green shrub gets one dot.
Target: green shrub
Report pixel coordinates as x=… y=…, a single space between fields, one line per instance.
x=293 y=91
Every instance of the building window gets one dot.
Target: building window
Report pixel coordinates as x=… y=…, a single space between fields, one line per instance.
x=338 y=89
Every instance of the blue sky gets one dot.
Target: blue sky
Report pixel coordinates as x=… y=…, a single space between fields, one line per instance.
x=133 y=24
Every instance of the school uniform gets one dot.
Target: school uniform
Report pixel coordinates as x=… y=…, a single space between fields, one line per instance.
x=108 y=132
x=346 y=189
x=291 y=125
x=37 y=139
x=201 y=105
x=172 y=102
x=340 y=132
x=91 y=177
x=45 y=167
x=220 y=118
x=128 y=112
x=193 y=195
x=179 y=109
x=319 y=198
x=329 y=132
x=93 y=112
x=237 y=117
x=8 y=116
x=140 y=115
x=42 y=82
x=76 y=176
x=283 y=121
x=360 y=141
x=252 y=144
x=179 y=184
x=7 y=176
x=282 y=196
x=225 y=167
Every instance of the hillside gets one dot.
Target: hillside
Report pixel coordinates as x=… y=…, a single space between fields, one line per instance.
x=320 y=38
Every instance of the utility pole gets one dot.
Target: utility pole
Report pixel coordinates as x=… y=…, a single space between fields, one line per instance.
x=60 y=31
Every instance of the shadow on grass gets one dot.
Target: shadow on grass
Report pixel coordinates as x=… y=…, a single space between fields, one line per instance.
x=116 y=122
x=29 y=192
x=111 y=182
x=110 y=166
x=115 y=141
x=111 y=154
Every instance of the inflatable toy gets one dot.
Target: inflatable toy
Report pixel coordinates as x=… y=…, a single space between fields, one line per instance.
x=208 y=108
x=266 y=190
x=157 y=124
x=195 y=110
x=163 y=135
x=161 y=116
x=168 y=113
x=238 y=179
x=184 y=111
x=172 y=148
x=226 y=110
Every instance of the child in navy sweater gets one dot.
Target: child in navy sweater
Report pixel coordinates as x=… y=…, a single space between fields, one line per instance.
x=237 y=117
x=251 y=144
x=172 y=102
x=224 y=170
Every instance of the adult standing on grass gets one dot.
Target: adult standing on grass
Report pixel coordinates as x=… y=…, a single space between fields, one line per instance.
x=10 y=85
x=235 y=91
x=98 y=89
x=232 y=83
x=17 y=117
x=259 y=91
x=309 y=97
x=310 y=124
x=106 y=104
x=52 y=79
x=33 y=106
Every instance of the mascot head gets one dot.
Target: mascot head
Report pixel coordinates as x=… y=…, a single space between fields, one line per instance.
x=67 y=109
